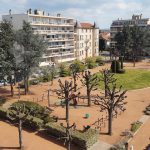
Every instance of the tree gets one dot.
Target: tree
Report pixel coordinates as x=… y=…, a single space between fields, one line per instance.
x=107 y=78
x=114 y=100
x=91 y=82
x=65 y=92
x=123 y=39
x=53 y=73
x=74 y=73
x=7 y=57
x=137 y=42
x=31 y=49
x=20 y=114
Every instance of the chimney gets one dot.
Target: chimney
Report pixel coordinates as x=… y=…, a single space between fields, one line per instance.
x=58 y=15
x=30 y=11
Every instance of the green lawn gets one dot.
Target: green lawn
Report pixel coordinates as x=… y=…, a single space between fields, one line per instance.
x=133 y=79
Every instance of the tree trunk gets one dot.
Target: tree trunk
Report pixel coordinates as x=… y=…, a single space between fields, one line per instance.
x=11 y=87
x=89 y=97
x=134 y=62
x=25 y=86
x=110 y=122
x=67 y=121
x=121 y=62
x=75 y=86
x=48 y=98
x=20 y=133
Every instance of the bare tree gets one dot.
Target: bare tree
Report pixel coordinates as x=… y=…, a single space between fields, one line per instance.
x=65 y=92
x=75 y=75
x=91 y=82
x=114 y=101
x=106 y=78
x=19 y=113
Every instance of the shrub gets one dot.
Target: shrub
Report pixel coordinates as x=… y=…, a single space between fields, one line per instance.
x=135 y=126
x=121 y=71
x=83 y=139
x=99 y=60
x=115 y=66
x=3 y=113
x=2 y=100
x=46 y=78
x=34 y=82
x=90 y=62
x=35 y=109
x=33 y=123
x=80 y=67
x=63 y=70
x=147 y=110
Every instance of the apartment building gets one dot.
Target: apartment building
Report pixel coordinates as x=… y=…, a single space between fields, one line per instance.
x=86 y=40
x=117 y=25
x=58 y=31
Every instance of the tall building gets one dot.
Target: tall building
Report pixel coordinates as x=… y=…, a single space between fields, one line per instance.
x=117 y=25
x=58 y=31
x=86 y=40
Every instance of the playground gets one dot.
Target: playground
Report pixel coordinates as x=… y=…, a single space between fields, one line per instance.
x=84 y=116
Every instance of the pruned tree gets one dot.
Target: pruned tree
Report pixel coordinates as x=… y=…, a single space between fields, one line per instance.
x=90 y=81
x=75 y=75
x=65 y=92
x=19 y=113
x=114 y=101
x=107 y=78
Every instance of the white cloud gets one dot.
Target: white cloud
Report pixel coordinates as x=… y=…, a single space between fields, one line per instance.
x=101 y=11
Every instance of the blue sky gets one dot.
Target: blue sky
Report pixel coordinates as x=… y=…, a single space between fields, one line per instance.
x=101 y=11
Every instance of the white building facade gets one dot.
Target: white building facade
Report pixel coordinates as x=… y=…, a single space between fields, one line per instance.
x=58 y=31
x=86 y=40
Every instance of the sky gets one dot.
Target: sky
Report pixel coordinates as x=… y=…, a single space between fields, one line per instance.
x=103 y=12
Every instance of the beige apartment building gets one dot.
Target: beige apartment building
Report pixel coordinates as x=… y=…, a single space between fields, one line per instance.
x=117 y=25
x=58 y=31
x=66 y=39
x=86 y=40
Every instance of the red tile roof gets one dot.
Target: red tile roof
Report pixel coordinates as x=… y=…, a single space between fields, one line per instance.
x=86 y=25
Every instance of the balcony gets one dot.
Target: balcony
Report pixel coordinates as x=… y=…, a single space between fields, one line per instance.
x=60 y=39
x=50 y=23
x=61 y=47
x=53 y=32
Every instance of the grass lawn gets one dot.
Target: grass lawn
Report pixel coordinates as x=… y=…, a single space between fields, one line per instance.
x=133 y=79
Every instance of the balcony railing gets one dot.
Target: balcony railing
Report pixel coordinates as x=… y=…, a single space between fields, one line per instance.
x=53 y=31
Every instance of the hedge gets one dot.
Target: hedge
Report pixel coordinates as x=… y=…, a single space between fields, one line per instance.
x=3 y=113
x=2 y=100
x=82 y=139
x=33 y=123
x=135 y=126
x=90 y=62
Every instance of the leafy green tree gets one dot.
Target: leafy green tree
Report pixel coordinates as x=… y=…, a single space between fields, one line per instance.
x=32 y=48
x=7 y=57
x=137 y=42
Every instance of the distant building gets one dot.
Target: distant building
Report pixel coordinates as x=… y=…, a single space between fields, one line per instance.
x=86 y=40
x=117 y=25
x=57 y=30
x=104 y=40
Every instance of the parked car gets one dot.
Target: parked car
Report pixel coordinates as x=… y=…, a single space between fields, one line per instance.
x=3 y=83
